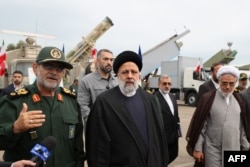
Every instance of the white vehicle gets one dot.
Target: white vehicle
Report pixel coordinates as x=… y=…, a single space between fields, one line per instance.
x=185 y=80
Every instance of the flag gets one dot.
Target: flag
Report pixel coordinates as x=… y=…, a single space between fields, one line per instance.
x=139 y=52
x=93 y=52
x=63 y=48
x=198 y=67
x=3 y=65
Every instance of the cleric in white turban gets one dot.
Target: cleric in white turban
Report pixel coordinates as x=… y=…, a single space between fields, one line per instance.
x=228 y=70
x=219 y=122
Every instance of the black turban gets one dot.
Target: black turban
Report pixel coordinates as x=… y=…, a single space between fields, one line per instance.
x=127 y=56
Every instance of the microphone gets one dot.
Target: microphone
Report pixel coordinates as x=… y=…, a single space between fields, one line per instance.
x=42 y=152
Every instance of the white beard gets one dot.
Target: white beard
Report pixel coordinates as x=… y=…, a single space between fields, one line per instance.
x=165 y=91
x=225 y=94
x=128 y=90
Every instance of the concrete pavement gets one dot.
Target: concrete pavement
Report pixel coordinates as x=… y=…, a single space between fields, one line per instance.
x=183 y=159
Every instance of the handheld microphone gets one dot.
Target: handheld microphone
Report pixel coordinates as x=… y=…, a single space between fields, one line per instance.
x=42 y=152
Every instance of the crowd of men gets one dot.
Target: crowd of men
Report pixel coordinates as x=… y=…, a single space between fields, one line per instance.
x=122 y=124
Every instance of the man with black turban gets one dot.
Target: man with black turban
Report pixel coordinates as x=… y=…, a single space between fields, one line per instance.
x=124 y=127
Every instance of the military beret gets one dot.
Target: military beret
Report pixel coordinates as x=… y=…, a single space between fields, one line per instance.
x=228 y=70
x=243 y=76
x=126 y=56
x=52 y=54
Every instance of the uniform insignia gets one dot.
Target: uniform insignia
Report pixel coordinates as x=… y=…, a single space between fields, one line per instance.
x=68 y=92
x=73 y=93
x=71 y=131
x=17 y=93
x=36 y=98
x=59 y=97
x=22 y=91
x=33 y=135
x=55 y=53
x=13 y=93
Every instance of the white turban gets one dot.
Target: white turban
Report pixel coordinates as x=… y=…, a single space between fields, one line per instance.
x=228 y=70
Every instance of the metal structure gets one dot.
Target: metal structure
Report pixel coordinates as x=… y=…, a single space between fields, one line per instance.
x=164 y=51
x=22 y=59
x=225 y=56
x=83 y=49
x=80 y=55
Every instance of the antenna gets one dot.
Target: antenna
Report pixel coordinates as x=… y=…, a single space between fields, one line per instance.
x=229 y=44
x=30 y=36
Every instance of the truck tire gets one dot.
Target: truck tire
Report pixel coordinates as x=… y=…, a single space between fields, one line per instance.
x=191 y=99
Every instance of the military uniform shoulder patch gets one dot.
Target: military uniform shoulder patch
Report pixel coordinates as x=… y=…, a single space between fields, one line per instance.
x=18 y=93
x=68 y=92
x=237 y=90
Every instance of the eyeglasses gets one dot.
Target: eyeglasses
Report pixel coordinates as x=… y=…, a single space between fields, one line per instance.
x=166 y=83
x=231 y=84
x=50 y=67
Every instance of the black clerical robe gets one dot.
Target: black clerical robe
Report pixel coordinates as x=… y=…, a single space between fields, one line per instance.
x=113 y=139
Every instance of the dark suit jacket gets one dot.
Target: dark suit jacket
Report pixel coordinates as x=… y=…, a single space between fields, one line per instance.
x=5 y=164
x=7 y=90
x=171 y=124
x=205 y=87
x=245 y=94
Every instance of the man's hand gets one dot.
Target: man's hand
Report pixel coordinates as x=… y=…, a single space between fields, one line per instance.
x=28 y=119
x=198 y=156
x=23 y=163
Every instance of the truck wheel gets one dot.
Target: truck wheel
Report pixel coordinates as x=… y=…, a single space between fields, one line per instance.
x=191 y=99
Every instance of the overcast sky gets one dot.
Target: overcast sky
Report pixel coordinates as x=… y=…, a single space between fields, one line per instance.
x=147 y=23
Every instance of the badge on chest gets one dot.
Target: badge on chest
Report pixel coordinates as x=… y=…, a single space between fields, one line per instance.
x=71 y=131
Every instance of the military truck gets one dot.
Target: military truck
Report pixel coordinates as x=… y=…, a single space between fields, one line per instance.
x=165 y=58
x=22 y=59
x=185 y=79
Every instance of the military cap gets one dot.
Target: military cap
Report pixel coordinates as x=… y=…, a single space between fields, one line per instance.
x=52 y=54
x=126 y=56
x=243 y=76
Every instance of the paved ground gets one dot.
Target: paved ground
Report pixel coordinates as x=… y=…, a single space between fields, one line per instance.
x=183 y=160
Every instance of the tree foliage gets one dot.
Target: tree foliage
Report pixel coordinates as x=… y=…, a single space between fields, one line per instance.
x=12 y=46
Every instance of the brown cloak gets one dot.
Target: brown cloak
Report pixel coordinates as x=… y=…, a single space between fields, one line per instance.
x=200 y=115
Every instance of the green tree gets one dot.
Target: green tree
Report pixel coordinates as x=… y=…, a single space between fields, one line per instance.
x=11 y=47
x=20 y=44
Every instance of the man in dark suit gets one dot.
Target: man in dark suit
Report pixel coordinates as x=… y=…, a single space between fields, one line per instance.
x=169 y=110
x=17 y=82
x=211 y=84
x=21 y=163
x=245 y=94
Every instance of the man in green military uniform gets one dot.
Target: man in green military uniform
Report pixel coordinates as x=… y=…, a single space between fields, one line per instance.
x=242 y=83
x=43 y=109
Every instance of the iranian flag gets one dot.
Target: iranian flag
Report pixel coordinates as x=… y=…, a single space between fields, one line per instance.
x=93 y=53
x=198 y=67
x=2 y=60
